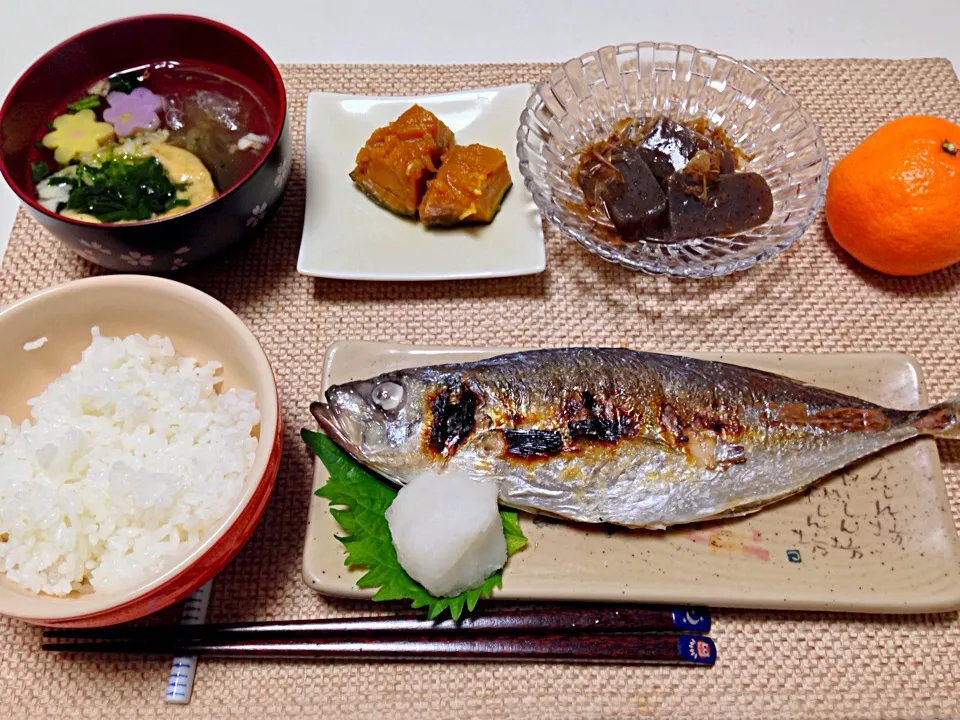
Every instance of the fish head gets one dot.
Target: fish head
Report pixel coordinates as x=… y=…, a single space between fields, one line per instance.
x=379 y=422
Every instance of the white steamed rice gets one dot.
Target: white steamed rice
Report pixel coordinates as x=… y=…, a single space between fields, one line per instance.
x=131 y=459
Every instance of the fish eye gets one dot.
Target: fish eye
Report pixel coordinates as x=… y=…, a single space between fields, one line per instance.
x=387 y=395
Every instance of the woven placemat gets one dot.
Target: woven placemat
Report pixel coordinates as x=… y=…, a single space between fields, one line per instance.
x=811 y=298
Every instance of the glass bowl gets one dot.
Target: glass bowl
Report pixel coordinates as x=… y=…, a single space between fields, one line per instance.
x=579 y=103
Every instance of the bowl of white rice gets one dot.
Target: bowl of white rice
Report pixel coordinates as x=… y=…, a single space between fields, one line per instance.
x=139 y=443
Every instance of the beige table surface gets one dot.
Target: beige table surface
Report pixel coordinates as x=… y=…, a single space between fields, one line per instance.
x=810 y=299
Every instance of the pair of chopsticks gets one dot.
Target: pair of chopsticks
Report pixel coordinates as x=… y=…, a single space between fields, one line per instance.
x=641 y=635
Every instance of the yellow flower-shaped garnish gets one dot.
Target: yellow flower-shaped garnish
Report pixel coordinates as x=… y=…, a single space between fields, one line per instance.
x=76 y=133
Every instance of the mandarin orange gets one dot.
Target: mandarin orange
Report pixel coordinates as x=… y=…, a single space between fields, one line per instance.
x=894 y=201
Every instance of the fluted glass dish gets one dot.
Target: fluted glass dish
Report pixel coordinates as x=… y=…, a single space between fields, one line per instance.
x=580 y=102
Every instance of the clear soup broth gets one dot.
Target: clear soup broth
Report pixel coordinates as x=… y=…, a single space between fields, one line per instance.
x=149 y=142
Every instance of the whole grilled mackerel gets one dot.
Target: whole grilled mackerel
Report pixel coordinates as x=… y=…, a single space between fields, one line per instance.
x=613 y=435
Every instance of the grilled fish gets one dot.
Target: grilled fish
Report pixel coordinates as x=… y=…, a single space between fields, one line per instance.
x=616 y=436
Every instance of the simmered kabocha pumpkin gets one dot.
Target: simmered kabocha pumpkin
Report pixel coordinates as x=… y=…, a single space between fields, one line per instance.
x=469 y=186
x=393 y=167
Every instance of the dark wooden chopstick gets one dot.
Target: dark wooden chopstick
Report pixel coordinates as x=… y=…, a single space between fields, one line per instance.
x=585 y=618
x=571 y=647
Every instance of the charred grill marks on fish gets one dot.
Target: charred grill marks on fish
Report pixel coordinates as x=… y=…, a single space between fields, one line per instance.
x=452 y=418
x=533 y=443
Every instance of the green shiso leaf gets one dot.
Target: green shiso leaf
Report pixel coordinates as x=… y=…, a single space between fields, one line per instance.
x=512 y=532
x=85 y=103
x=358 y=502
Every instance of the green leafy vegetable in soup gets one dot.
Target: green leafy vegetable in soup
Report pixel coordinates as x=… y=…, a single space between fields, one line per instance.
x=122 y=189
x=358 y=502
x=90 y=102
x=38 y=171
x=129 y=80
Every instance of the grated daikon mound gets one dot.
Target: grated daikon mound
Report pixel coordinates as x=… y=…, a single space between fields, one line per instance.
x=447 y=532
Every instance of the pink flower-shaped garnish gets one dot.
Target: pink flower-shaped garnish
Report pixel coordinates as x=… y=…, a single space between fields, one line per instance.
x=136 y=111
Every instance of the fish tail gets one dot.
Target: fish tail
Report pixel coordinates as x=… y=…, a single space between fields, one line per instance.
x=942 y=420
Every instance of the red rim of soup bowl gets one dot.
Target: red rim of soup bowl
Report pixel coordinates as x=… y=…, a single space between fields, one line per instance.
x=279 y=117
x=230 y=535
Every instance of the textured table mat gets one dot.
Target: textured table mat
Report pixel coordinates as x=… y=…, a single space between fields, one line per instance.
x=810 y=298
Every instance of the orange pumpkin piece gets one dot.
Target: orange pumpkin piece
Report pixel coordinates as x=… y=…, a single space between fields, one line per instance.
x=393 y=166
x=469 y=187
x=892 y=201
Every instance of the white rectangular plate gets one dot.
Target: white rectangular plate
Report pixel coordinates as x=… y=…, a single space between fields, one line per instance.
x=876 y=538
x=346 y=235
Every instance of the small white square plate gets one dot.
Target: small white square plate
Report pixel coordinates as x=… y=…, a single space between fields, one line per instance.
x=347 y=236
